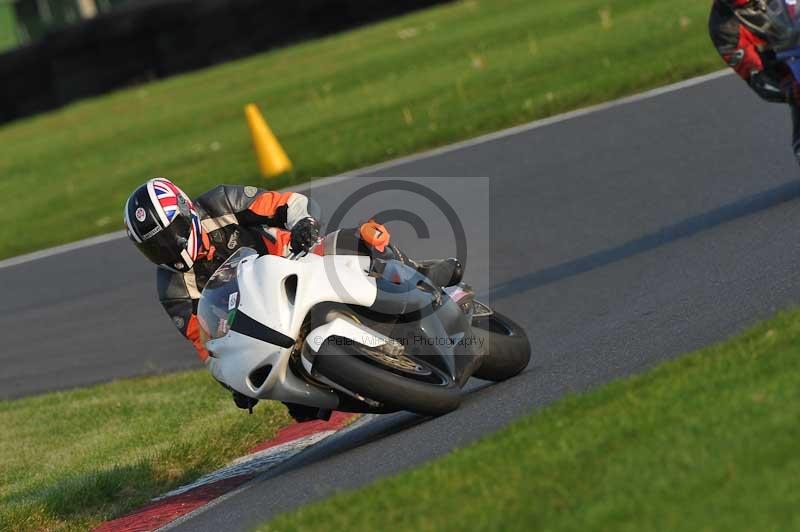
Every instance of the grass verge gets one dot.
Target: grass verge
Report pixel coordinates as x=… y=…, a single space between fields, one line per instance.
x=8 y=36
x=394 y=88
x=70 y=460
x=706 y=442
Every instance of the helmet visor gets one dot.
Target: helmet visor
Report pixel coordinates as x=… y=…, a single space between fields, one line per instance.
x=166 y=245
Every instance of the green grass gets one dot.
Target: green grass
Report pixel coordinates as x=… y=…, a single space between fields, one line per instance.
x=8 y=37
x=342 y=102
x=706 y=442
x=69 y=460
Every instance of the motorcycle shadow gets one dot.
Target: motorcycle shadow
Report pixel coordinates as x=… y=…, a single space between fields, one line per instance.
x=365 y=430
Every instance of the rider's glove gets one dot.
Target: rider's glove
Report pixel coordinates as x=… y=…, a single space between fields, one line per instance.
x=305 y=234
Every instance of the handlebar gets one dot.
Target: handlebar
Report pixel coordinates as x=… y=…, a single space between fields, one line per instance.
x=296 y=256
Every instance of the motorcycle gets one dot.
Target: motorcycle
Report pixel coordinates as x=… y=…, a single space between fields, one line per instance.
x=782 y=33
x=342 y=330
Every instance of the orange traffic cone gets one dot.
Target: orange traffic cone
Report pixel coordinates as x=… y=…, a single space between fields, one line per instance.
x=272 y=160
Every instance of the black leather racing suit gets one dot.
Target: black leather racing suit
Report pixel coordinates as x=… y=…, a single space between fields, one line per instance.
x=231 y=217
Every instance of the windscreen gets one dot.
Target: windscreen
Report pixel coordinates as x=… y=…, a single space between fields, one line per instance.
x=220 y=298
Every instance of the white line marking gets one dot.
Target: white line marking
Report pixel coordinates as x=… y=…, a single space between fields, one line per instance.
x=523 y=128
x=58 y=250
x=253 y=464
x=516 y=130
x=363 y=420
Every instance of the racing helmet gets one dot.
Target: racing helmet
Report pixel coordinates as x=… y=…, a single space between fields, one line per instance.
x=163 y=224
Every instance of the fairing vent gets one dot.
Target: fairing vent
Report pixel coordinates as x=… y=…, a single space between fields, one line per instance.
x=259 y=376
x=290 y=287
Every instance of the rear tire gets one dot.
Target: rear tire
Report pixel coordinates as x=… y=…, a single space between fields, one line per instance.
x=341 y=364
x=508 y=350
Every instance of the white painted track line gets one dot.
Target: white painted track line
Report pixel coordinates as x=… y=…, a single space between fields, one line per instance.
x=58 y=250
x=516 y=130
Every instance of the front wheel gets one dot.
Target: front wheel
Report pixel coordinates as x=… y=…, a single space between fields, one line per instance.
x=506 y=346
x=416 y=386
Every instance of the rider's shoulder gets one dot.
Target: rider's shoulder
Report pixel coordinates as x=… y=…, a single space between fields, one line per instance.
x=223 y=199
x=212 y=196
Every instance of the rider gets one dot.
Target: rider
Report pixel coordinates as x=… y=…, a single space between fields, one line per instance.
x=189 y=239
x=742 y=32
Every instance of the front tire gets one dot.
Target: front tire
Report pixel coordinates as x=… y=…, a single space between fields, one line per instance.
x=343 y=365
x=508 y=350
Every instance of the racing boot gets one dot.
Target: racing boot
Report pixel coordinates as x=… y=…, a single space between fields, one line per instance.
x=244 y=402
x=442 y=272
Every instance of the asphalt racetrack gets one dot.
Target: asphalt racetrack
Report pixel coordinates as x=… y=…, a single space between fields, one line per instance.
x=619 y=238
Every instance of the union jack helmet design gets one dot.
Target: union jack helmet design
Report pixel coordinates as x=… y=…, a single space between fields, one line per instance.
x=163 y=224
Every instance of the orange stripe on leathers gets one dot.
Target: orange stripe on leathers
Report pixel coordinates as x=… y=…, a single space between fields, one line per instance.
x=193 y=334
x=268 y=202
x=282 y=239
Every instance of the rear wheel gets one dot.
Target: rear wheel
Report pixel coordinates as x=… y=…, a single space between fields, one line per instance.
x=507 y=349
x=400 y=382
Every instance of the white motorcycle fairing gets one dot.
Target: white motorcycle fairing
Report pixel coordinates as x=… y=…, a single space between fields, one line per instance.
x=278 y=294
